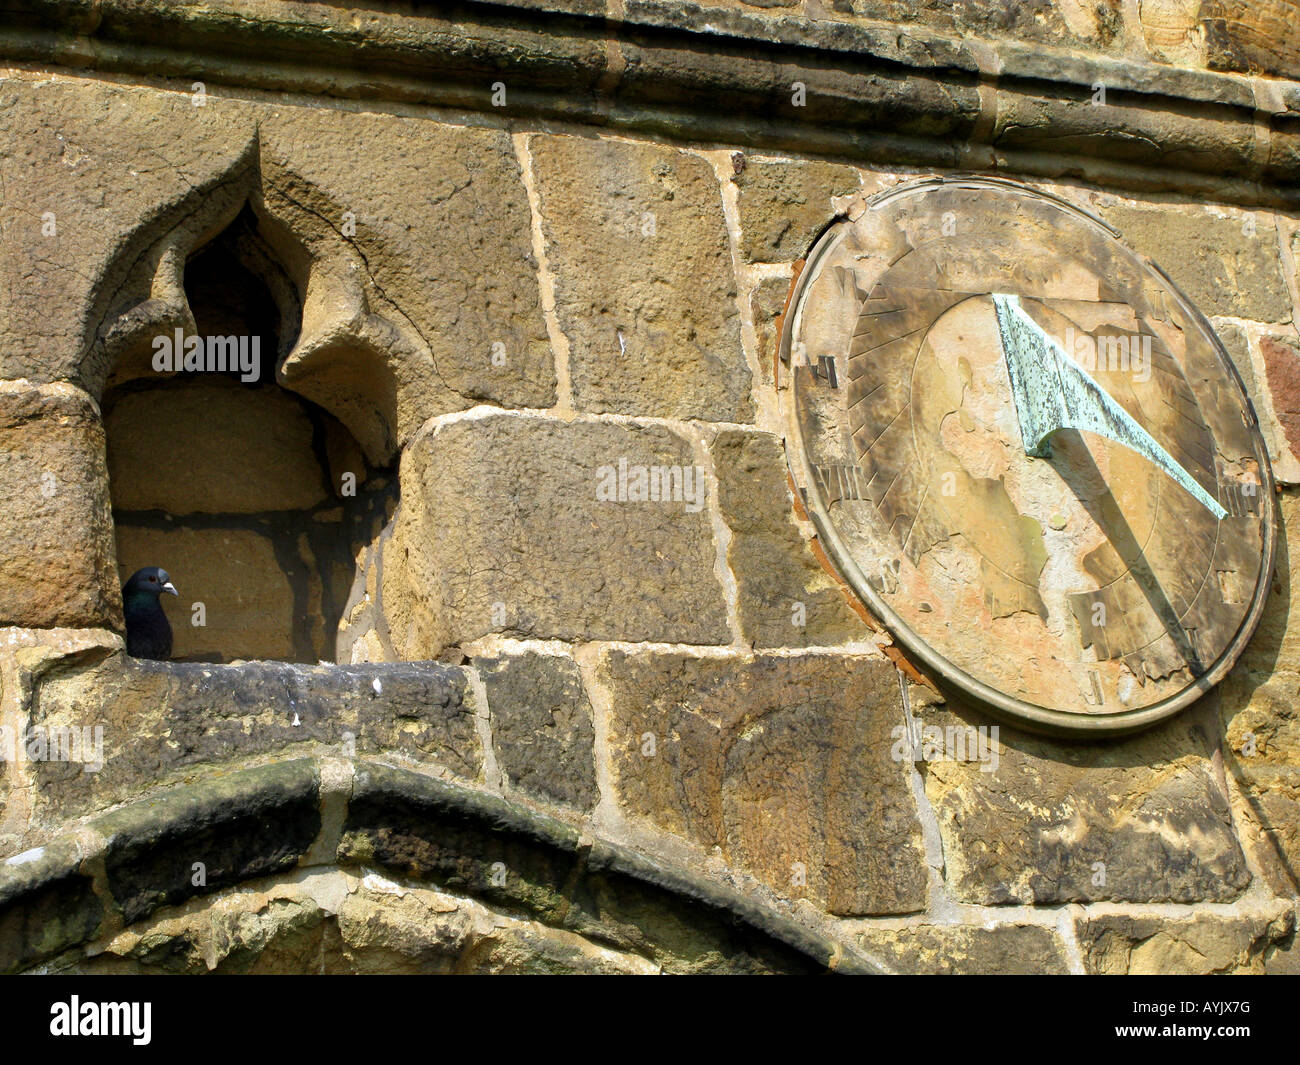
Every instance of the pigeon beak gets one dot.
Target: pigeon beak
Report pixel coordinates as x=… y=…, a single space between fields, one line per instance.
x=169 y=587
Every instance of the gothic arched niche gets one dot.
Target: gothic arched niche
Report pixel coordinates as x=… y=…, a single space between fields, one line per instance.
x=261 y=504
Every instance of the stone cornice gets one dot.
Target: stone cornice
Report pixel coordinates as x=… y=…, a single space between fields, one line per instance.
x=715 y=74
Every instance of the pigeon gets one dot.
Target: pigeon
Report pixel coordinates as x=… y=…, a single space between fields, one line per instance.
x=148 y=632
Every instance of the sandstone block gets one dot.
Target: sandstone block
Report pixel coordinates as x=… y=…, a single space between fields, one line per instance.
x=766 y=303
x=786 y=597
x=638 y=245
x=542 y=729
x=1277 y=640
x=785 y=205
x=1090 y=25
x=958 y=950
x=782 y=762
x=1138 y=820
x=160 y=720
x=1281 y=357
x=1203 y=945
x=1246 y=39
x=1260 y=727
x=502 y=529
x=1261 y=750
x=75 y=200
x=1223 y=264
x=56 y=539
x=213 y=449
x=443 y=231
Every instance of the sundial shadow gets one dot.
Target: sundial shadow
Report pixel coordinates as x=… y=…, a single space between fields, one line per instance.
x=1080 y=473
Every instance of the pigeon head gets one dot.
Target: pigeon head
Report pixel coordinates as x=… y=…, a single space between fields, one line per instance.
x=149 y=581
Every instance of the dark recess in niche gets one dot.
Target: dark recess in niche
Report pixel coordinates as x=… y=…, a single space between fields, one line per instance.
x=235 y=486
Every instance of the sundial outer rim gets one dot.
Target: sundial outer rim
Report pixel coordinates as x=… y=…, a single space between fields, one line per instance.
x=951 y=678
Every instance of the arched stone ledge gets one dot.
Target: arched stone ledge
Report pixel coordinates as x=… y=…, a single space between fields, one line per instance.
x=124 y=866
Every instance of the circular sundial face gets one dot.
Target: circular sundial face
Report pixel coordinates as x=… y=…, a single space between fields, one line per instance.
x=1028 y=454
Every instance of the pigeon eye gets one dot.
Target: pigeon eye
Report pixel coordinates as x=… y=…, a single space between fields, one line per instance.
x=153 y=580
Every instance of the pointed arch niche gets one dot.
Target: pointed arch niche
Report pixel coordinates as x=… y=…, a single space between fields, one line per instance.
x=252 y=489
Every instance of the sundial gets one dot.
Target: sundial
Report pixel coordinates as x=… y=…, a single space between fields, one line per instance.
x=1028 y=453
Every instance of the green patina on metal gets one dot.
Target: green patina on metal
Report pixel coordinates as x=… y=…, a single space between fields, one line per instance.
x=1053 y=392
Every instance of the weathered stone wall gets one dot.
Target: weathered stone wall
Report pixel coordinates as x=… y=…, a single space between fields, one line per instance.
x=503 y=311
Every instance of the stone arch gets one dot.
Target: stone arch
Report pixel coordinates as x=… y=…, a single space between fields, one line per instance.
x=345 y=353
x=123 y=893
x=285 y=569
